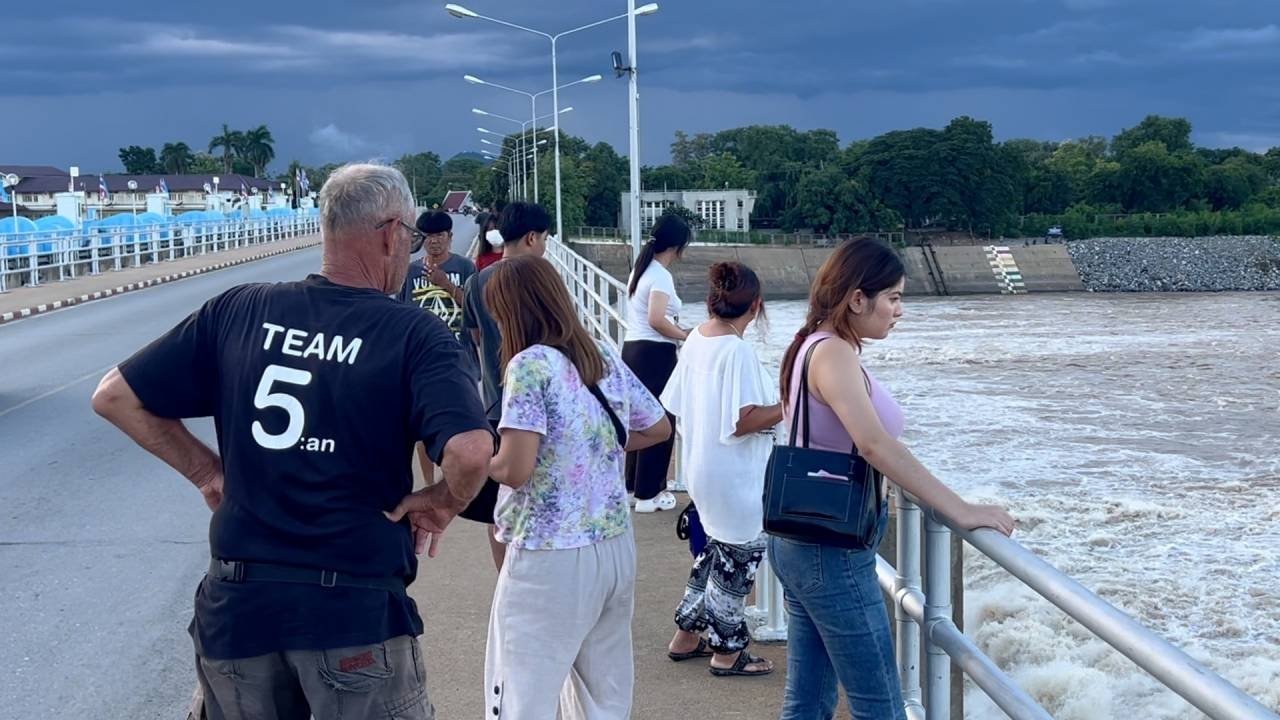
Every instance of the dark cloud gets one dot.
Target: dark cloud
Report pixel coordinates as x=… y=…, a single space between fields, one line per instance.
x=342 y=80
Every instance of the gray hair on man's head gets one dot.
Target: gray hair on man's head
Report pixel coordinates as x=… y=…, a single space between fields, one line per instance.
x=359 y=196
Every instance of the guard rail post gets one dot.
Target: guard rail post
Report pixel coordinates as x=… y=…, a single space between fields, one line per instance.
x=937 y=612
x=907 y=642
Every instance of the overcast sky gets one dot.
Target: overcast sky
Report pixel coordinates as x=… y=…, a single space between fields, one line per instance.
x=341 y=81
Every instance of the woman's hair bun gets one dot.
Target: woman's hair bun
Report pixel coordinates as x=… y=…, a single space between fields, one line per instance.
x=734 y=288
x=724 y=277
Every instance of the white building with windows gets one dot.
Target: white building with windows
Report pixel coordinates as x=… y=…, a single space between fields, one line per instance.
x=719 y=209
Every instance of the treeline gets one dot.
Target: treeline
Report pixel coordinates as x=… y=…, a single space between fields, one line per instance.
x=246 y=152
x=1148 y=179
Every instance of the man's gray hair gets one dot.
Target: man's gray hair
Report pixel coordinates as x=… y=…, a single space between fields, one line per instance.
x=358 y=196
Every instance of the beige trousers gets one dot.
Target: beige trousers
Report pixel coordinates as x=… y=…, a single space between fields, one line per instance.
x=560 y=634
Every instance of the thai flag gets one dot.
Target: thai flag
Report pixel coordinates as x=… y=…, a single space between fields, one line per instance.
x=164 y=186
x=4 y=196
x=244 y=191
x=102 y=188
x=304 y=187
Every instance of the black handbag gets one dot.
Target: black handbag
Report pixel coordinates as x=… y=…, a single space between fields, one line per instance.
x=820 y=496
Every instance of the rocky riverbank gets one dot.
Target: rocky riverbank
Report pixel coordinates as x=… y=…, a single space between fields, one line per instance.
x=1169 y=264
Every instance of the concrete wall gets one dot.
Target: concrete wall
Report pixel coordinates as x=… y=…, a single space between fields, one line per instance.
x=786 y=272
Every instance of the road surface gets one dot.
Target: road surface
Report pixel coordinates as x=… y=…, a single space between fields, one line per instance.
x=101 y=546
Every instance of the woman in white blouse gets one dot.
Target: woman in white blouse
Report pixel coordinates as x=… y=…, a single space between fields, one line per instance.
x=650 y=349
x=726 y=409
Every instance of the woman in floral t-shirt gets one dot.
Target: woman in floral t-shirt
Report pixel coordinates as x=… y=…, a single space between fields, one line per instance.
x=561 y=615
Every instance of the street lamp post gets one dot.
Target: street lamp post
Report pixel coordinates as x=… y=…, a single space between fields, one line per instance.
x=133 y=197
x=555 y=114
x=462 y=12
x=523 y=125
x=11 y=186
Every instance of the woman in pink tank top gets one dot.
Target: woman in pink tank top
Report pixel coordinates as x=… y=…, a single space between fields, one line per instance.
x=837 y=628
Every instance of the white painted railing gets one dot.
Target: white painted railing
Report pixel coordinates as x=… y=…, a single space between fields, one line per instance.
x=41 y=256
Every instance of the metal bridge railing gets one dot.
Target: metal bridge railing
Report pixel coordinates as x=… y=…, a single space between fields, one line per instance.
x=929 y=610
x=41 y=256
x=920 y=585
x=601 y=298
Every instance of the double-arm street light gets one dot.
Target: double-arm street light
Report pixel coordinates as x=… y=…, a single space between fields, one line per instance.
x=524 y=125
x=519 y=158
x=632 y=12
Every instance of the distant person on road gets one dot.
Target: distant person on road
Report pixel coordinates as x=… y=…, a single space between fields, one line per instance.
x=560 y=623
x=650 y=349
x=524 y=228
x=725 y=409
x=319 y=390
x=837 y=626
x=489 y=241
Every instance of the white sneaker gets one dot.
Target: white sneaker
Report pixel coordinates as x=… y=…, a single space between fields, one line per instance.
x=631 y=499
x=664 y=501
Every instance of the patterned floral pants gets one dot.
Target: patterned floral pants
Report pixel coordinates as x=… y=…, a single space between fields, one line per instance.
x=715 y=596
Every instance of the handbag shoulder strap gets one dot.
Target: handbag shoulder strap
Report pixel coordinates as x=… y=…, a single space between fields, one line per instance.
x=802 y=399
x=619 y=430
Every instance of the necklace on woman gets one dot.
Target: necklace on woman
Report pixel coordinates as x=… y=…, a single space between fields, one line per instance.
x=732 y=327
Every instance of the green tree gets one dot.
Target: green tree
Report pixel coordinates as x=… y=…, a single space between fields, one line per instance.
x=1233 y=183
x=722 y=171
x=258 y=148
x=1173 y=133
x=230 y=142
x=902 y=170
x=1152 y=179
x=176 y=158
x=456 y=174
x=665 y=177
x=687 y=152
x=204 y=164
x=830 y=202
x=608 y=176
x=423 y=170
x=139 y=160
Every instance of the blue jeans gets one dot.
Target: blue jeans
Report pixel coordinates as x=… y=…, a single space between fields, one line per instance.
x=837 y=633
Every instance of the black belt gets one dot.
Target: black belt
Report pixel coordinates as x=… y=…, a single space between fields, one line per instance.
x=237 y=572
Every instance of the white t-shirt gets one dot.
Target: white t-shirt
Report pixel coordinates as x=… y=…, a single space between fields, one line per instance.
x=714 y=379
x=655 y=278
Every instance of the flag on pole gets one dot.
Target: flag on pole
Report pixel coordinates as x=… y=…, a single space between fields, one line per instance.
x=102 y=188
x=244 y=191
x=4 y=196
x=164 y=186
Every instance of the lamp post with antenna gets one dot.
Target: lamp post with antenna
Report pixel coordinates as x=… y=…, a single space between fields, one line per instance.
x=523 y=125
x=459 y=11
x=533 y=103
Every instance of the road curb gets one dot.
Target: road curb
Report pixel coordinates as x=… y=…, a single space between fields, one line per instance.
x=27 y=312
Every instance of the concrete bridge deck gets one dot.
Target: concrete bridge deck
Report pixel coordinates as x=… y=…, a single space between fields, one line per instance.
x=101 y=546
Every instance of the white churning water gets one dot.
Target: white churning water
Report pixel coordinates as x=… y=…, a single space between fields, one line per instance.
x=1134 y=437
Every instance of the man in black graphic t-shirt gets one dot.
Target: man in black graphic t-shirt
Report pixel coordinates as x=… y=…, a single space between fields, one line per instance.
x=319 y=390
x=435 y=282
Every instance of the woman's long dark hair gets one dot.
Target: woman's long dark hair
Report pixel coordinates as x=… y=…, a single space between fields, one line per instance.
x=671 y=231
x=859 y=264
x=487 y=222
x=532 y=306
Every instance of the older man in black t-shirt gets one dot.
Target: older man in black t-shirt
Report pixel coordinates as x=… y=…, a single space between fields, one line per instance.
x=319 y=390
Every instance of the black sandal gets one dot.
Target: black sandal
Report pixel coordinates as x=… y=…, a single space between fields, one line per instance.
x=699 y=652
x=739 y=667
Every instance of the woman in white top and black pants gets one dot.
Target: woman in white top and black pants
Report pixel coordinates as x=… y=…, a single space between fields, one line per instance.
x=650 y=349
